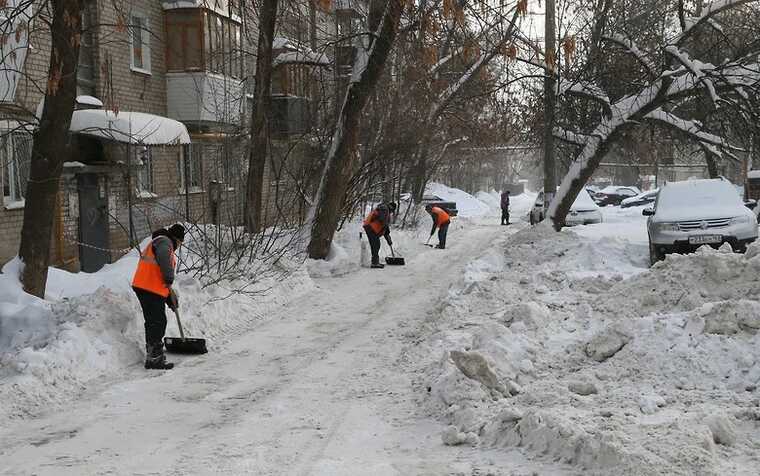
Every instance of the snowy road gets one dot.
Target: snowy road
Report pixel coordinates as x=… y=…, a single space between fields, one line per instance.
x=317 y=388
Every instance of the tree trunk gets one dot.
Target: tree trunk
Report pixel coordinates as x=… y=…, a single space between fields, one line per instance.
x=50 y=148
x=257 y=155
x=550 y=100
x=341 y=158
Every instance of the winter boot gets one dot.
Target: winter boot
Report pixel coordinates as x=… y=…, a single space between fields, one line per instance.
x=439 y=247
x=378 y=265
x=155 y=358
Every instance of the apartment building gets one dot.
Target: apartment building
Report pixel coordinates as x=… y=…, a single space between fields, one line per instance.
x=161 y=126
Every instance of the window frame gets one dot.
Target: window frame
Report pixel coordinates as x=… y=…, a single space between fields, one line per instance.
x=10 y=170
x=196 y=176
x=145 y=171
x=174 y=25
x=145 y=49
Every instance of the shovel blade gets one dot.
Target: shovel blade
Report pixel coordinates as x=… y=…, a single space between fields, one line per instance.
x=188 y=345
x=394 y=261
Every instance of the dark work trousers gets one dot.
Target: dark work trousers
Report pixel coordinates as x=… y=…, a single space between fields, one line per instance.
x=505 y=216
x=374 y=244
x=154 y=311
x=442 y=230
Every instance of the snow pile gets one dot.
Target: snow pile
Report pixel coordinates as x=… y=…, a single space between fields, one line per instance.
x=568 y=346
x=90 y=326
x=467 y=205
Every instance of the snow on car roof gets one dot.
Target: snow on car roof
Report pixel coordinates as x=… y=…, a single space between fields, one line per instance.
x=679 y=200
x=584 y=202
x=615 y=188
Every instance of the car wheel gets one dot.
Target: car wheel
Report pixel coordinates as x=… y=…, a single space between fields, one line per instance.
x=655 y=255
x=740 y=248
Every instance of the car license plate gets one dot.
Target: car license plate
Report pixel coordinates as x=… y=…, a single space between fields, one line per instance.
x=705 y=239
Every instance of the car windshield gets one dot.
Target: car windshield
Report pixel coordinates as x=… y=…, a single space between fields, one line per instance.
x=697 y=194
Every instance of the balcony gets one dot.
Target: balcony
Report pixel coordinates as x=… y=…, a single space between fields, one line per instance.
x=204 y=98
x=290 y=115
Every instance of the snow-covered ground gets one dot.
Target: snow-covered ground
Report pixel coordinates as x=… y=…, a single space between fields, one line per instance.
x=568 y=347
x=515 y=351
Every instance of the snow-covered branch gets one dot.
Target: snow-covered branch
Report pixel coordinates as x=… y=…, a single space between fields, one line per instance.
x=635 y=51
x=699 y=69
x=691 y=128
x=443 y=61
x=708 y=12
x=586 y=90
x=570 y=136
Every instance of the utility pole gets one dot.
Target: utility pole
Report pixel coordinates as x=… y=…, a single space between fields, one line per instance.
x=550 y=182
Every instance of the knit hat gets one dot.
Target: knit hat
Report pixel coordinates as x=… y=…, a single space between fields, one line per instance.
x=177 y=231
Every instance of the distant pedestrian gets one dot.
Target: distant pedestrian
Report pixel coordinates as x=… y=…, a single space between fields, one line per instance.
x=377 y=224
x=441 y=220
x=152 y=284
x=505 y=207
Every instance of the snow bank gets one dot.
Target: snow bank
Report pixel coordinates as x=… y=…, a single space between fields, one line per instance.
x=579 y=353
x=90 y=327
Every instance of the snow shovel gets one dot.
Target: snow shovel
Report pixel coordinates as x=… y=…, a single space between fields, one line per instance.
x=184 y=345
x=394 y=260
x=427 y=243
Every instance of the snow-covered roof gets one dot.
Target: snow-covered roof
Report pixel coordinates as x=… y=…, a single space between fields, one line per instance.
x=129 y=127
x=302 y=57
x=89 y=101
x=292 y=52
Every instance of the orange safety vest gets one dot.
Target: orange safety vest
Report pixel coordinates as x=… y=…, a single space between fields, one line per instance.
x=148 y=275
x=441 y=217
x=374 y=223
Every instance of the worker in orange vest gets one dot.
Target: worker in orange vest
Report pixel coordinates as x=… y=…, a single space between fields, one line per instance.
x=153 y=285
x=376 y=225
x=441 y=220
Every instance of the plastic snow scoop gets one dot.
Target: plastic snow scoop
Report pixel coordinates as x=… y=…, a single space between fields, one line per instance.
x=394 y=260
x=184 y=345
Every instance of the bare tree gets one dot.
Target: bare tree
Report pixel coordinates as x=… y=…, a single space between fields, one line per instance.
x=341 y=158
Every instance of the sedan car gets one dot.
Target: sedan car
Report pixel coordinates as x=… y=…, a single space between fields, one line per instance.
x=583 y=211
x=642 y=199
x=687 y=215
x=613 y=195
x=436 y=201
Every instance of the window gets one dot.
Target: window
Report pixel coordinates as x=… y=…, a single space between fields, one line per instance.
x=201 y=40
x=143 y=160
x=15 y=160
x=292 y=79
x=184 y=40
x=190 y=170
x=86 y=68
x=139 y=38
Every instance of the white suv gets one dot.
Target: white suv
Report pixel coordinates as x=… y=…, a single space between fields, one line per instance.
x=687 y=215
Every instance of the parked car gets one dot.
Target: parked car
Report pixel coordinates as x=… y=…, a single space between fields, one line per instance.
x=687 y=215
x=613 y=195
x=436 y=201
x=583 y=211
x=642 y=199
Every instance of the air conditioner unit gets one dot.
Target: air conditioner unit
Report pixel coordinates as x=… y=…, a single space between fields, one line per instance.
x=290 y=115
